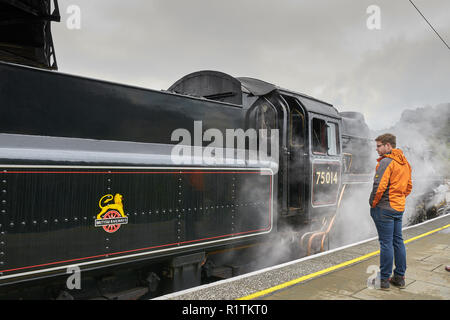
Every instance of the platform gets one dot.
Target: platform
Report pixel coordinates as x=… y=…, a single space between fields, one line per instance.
x=426 y=277
x=342 y=273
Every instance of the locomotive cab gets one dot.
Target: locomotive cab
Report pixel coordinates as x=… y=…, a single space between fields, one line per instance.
x=310 y=160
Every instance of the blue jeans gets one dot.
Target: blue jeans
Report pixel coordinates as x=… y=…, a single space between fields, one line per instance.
x=389 y=227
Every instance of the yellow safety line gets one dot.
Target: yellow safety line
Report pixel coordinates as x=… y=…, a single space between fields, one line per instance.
x=427 y=233
x=321 y=272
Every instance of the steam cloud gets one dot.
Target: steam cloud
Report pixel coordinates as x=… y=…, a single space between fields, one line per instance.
x=423 y=135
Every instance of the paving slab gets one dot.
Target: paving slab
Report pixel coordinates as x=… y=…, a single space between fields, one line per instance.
x=428 y=290
x=426 y=278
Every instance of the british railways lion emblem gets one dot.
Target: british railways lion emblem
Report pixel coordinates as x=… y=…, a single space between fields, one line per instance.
x=111 y=216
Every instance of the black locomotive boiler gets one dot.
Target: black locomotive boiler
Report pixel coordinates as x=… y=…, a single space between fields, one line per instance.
x=89 y=183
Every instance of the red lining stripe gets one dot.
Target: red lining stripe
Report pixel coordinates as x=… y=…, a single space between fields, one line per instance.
x=128 y=251
x=131 y=172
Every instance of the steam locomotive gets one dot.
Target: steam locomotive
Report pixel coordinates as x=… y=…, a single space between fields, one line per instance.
x=94 y=201
x=89 y=179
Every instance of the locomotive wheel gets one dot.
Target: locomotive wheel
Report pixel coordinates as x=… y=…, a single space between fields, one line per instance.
x=112 y=227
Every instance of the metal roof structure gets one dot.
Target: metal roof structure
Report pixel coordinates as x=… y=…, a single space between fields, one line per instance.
x=25 y=33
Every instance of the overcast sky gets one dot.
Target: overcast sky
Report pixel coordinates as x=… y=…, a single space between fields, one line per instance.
x=319 y=47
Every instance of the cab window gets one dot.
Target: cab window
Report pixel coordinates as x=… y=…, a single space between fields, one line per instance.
x=265 y=118
x=333 y=139
x=319 y=136
x=297 y=125
x=325 y=137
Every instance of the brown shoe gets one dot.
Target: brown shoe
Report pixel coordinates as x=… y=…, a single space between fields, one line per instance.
x=447 y=268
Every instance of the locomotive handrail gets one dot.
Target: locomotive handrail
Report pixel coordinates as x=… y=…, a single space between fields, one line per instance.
x=327 y=231
x=75 y=150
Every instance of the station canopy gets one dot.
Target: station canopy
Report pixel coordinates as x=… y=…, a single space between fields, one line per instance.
x=25 y=34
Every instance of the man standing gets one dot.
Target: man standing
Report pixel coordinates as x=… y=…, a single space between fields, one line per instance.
x=391 y=185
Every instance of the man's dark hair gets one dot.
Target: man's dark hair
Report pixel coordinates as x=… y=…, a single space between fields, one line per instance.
x=387 y=138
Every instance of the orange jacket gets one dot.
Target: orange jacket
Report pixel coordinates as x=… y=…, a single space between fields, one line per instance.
x=392 y=182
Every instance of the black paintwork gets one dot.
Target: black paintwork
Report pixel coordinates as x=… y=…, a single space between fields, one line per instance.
x=43 y=103
x=53 y=119
x=48 y=214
